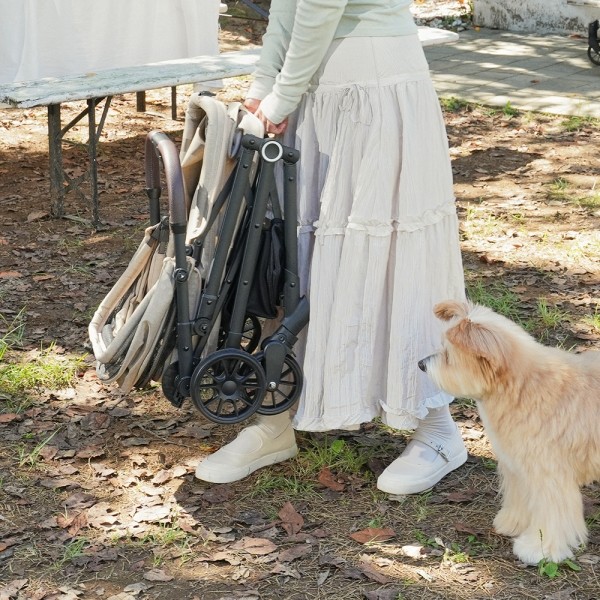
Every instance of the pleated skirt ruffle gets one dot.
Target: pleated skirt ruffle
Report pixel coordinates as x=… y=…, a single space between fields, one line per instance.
x=378 y=234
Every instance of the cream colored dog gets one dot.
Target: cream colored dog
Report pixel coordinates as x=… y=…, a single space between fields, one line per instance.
x=540 y=407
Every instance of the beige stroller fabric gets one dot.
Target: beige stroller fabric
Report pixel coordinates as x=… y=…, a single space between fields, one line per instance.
x=129 y=325
x=210 y=141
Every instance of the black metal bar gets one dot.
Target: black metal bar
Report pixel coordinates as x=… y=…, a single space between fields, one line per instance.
x=227 y=231
x=270 y=153
x=291 y=286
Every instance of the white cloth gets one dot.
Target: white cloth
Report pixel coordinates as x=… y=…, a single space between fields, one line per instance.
x=378 y=234
x=56 y=38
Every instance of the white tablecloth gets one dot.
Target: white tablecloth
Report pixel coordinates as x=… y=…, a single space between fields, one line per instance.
x=53 y=38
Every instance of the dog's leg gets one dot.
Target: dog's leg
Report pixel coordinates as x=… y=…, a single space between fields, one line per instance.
x=557 y=524
x=513 y=517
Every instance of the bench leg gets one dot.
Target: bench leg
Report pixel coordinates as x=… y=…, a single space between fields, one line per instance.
x=60 y=182
x=57 y=174
x=93 y=159
x=140 y=101
x=174 y=103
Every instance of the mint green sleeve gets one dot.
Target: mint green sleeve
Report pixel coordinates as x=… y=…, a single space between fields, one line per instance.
x=275 y=43
x=313 y=31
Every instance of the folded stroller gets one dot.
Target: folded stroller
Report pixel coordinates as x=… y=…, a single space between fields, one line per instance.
x=190 y=307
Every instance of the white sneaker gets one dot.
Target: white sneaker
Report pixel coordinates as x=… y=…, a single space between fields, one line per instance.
x=414 y=471
x=269 y=441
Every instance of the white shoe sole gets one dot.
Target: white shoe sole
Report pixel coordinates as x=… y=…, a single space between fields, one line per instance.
x=390 y=484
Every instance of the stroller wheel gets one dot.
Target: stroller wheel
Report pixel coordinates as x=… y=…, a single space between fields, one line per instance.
x=288 y=389
x=594 y=56
x=228 y=386
x=170 y=385
x=250 y=334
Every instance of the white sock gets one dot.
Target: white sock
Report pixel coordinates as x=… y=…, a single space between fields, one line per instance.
x=439 y=422
x=274 y=424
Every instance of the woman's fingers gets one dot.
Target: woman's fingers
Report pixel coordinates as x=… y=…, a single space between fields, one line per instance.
x=251 y=104
x=270 y=127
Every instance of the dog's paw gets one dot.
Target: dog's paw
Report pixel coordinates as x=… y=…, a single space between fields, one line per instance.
x=508 y=523
x=530 y=549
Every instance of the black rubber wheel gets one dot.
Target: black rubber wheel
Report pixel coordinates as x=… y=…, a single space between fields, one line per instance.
x=251 y=333
x=287 y=392
x=594 y=56
x=228 y=386
x=170 y=385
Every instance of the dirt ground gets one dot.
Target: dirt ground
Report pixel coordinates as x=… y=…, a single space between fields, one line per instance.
x=97 y=494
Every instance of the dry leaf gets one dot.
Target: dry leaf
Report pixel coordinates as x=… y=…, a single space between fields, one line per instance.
x=372 y=534
x=255 y=545
x=56 y=483
x=327 y=479
x=36 y=215
x=9 y=417
x=152 y=514
x=466 y=496
x=295 y=552
x=281 y=569
x=12 y=589
x=93 y=451
x=291 y=520
x=157 y=575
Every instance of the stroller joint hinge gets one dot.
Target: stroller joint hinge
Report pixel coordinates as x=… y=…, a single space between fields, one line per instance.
x=181 y=275
x=201 y=327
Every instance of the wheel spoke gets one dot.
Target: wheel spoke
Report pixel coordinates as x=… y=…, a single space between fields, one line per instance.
x=246 y=400
x=208 y=386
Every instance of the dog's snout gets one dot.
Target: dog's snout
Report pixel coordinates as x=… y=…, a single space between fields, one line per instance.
x=422 y=365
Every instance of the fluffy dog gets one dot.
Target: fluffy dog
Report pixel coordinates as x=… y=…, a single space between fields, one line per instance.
x=540 y=407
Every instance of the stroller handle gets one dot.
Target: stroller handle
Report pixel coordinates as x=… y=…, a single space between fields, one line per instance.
x=158 y=144
x=271 y=149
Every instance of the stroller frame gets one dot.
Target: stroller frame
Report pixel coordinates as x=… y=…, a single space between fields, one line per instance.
x=230 y=384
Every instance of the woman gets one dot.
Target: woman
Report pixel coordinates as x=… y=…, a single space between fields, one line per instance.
x=348 y=83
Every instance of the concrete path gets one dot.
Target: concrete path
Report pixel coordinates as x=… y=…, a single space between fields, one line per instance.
x=542 y=73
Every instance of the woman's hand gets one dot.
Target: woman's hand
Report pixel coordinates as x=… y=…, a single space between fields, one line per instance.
x=253 y=105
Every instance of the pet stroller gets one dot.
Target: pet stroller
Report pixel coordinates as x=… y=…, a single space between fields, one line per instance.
x=593 y=42
x=189 y=309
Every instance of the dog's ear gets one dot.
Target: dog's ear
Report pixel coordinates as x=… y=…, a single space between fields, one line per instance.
x=450 y=309
x=481 y=341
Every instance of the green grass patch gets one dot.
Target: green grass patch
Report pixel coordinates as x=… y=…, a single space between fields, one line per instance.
x=594 y=320
x=292 y=486
x=496 y=296
x=452 y=104
x=550 y=316
x=44 y=369
x=508 y=110
x=336 y=454
x=13 y=332
x=576 y=123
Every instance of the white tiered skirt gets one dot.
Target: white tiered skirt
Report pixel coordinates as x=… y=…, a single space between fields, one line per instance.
x=378 y=234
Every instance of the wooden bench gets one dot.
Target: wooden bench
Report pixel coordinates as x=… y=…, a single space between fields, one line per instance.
x=102 y=86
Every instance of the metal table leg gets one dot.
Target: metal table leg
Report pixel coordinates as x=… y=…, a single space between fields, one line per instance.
x=60 y=182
